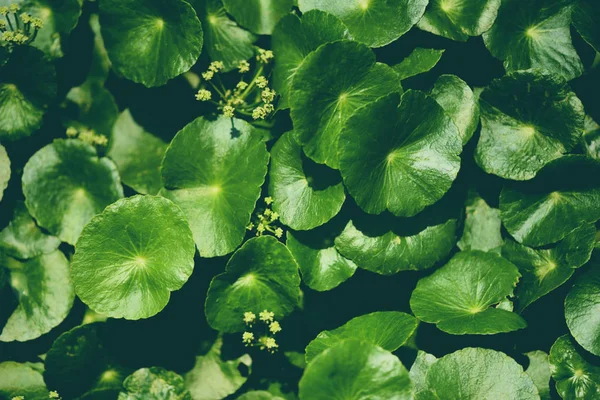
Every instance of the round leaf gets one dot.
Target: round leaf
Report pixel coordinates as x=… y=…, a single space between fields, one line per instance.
x=563 y=196
x=540 y=373
x=259 y=395
x=294 y=38
x=213 y=170
x=359 y=371
x=586 y=19
x=131 y=257
x=27 y=88
x=399 y=157
x=386 y=329
x=66 y=184
x=575 y=378
x=581 y=310
x=260 y=16
x=546 y=269
x=535 y=34
x=458 y=297
x=23 y=239
x=457 y=20
x=59 y=18
x=482 y=226
x=224 y=40
x=304 y=199
x=373 y=22
x=591 y=138
x=150 y=41
x=138 y=155
x=261 y=275
x=388 y=245
x=322 y=267
x=20 y=379
x=481 y=374
x=97 y=110
x=4 y=170
x=418 y=62
x=44 y=293
x=321 y=100
x=213 y=378
x=154 y=383
x=418 y=371
x=459 y=102
x=528 y=119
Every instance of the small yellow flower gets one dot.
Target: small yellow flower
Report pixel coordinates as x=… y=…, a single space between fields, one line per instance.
x=241 y=85
x=26 y=18
x=216 y=66
x=208 y=75
x=72 y=132
x=250 y=226
x=266 y=316
x=53 y=395
x=14 y=8
x=264 y=56
x=243 y=66
x=4 y=10
x=249 y=317
x=268 y=200
x=269 y=108
x=262 y=82
x=247 y=337
x=268 y=212
x=20 y=38
x=2 y=24
x=8 y=36
x=270 y=343
x=275 y=327
x=259 y=113
x=274 y=216
x=37 y=23
x=203 y=95
x=18 y=398
x=236 y=101
x=260 y=229
x=228 y=111
x=100 y=140
x=279 y=233
x=268 y=95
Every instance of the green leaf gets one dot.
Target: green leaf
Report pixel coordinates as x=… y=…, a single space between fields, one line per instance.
x=27 y=88
x=4 y=170
x=528 y=119
x=131 y=257
x=294 y=38
x=546 y=269
x=224 y=40
x=457 y=20
x=23 y=239
x=260 y=16
x=575 y=378
x=418 y=62
x=459 y=102
x=80 y=360
x=418 y=371
x=358 y=371
x=97 y=110
x=154 y=383
x=586 y=20
x=65 y=184
x=213 y=378
x=303 y=198
x=540 y=373
x=322 y=100
x=213 y=170
x=482 y=374
x=564 y=195
x=20 y=379
x=259 y=395
x=260 y=275
x=399 y=157
x=44 y=293
x=459 y=297
x=59 y=18
x=387 y=245
x=482 y=226
x=386 y=329
x=322 y=267
x=372 y=22
x=138 y=155
x=535 y=34
x=100 y=67
x=591 y=138
x=150 y=41
x=581 y=310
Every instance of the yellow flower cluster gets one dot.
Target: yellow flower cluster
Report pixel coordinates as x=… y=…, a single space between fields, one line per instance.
x=88 y=136
x=265 y=221
x=18 y=30
x=265 y=341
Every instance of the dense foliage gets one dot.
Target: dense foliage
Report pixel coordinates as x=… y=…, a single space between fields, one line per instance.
x=299 y=199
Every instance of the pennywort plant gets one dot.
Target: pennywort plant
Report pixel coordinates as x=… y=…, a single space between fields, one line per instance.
x=299 y=199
